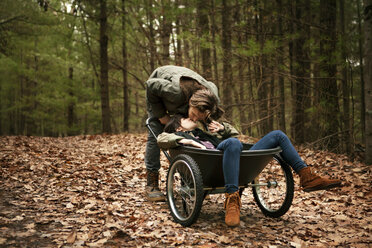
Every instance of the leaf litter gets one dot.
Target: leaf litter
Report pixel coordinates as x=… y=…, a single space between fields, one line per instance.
x=88 y=191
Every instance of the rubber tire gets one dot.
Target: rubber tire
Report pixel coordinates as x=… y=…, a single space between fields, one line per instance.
x=289 y=192
x=198 y=187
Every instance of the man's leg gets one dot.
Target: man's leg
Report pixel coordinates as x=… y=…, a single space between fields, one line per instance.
x=152 y=162
x=309 y=180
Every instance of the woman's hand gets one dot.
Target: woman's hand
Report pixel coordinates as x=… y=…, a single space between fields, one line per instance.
x=192 y=142
x=215 y=127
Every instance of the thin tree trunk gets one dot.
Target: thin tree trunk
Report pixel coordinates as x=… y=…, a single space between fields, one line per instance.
x=152 y=44
x=241 y=96
x=71 y=105
x=281 y=112
x=178 y=49
x=213 y=31
x=103 y=41
x=345 y=86
x=368 y=76
x=227 y=57
x=165 y=30
x=203 y=34
x=126 y=115
x=362 y=80
x=329 y=92
x=299 y=74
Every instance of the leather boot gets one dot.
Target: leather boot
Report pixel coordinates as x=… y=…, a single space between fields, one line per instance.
x=313 y=182
x=153 y=192
x=232 y=207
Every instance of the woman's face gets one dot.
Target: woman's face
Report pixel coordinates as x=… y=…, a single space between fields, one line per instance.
x=196 y=115
x=187 y=124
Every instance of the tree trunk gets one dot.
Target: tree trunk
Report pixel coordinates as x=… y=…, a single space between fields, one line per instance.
x=213 y=31
x=261 y=77
x=347 y=141
x=299 y=73
x=241 y=97
x=165 y=30
x=368 y=76
x=362 y=80
x=328 y=95
x=178 y=49
x=125 y=72
x=281 y=112
x=71 y=105
x=152 y=44
x=227 y=58
x=203 y=33
x=103 y=42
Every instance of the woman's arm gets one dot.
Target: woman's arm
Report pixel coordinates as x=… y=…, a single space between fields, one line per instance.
x=171 y=140
x=191 y=142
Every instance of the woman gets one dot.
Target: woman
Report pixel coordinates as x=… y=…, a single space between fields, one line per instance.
x=221 y=136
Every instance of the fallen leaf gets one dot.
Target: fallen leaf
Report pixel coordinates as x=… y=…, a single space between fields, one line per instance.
x=71 y=237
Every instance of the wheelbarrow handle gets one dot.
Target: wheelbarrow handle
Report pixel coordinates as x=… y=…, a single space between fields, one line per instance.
x=148 y=121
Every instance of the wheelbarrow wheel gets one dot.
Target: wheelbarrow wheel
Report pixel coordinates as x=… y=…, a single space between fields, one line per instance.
x=274 y=187
x=185 y=192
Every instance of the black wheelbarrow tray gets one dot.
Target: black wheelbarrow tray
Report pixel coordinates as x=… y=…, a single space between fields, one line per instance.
x=194 y=173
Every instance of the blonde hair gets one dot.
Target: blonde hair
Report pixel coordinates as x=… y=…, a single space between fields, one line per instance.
x=206 y=102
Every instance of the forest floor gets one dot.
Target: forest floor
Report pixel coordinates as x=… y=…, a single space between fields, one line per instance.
x=89 y=191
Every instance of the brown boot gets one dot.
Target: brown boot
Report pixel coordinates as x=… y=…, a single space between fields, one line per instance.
x=232 y=206
x=153 y=192
x=312 y=182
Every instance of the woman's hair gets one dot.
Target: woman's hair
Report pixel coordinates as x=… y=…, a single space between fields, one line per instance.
x=173 y=124
x=206 y=102
x=189 y=86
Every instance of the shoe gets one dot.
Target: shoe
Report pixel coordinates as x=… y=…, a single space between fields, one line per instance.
x=312 y=182
x=232 y=206
x=153 y=192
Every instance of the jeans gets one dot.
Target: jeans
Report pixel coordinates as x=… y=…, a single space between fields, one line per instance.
x=289 y=153
x=232 y=148
x=152 y=155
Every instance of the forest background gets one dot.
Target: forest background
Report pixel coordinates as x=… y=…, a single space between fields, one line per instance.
x=75 y=67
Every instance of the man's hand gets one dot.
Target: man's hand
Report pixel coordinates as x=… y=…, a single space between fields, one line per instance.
x=191 y=142
x=165 y=119
x=215 y=127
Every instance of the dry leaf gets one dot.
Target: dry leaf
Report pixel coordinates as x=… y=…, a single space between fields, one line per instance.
x=71 y=237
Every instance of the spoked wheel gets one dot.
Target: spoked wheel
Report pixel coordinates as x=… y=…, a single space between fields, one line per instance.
x=273 y=188
x=185 y=192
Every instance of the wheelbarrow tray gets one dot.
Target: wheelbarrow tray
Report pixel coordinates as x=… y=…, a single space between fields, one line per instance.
x=252 y=162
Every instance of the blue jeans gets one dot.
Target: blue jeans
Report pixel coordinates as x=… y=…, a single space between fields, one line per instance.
x=232 y=148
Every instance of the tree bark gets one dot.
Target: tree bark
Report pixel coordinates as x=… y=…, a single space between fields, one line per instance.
x=227 y=58
x=347 y=141
x=103 y=41
x=362 y=83
x=152 y=44
x=126 y=115
x=328 y=95
x=165 y=30
x=241 y=97
x=213 y=31
x=71 y=105
x=281 y=112
x=203 y=33
x=299 y=73
x=368 y=76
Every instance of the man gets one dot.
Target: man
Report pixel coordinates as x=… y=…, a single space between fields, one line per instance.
x=168 y=91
